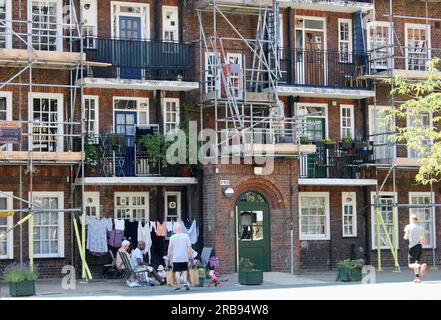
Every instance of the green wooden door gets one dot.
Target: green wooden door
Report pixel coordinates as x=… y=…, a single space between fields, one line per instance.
x=316 y=131
x=252 y=233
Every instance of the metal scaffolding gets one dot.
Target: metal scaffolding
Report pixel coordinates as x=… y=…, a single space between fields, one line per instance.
x=239 y=76
x=387 y=55
x=28 y=57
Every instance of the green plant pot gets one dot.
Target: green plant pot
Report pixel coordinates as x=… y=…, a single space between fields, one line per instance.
x=254 y=277
x=201 y=281
x=347 y=275
x=355 y=275
x=22 y=289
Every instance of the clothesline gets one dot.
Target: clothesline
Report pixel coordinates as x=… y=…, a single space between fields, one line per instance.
x=103 y=232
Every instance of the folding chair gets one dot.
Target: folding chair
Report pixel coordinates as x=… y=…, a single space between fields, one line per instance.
x=113 y=268
x=129 y=267
x=205 y=256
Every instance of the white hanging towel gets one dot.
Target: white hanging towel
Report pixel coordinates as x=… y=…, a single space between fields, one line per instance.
x=192 y=232
x=144 y=235
x=119 y=224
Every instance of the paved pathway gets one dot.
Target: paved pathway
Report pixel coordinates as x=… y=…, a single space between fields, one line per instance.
x=317 y=285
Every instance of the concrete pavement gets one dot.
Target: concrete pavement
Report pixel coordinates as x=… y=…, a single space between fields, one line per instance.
x=312 y=285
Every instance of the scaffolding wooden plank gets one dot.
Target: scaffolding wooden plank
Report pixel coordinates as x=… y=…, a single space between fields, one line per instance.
x=40 y=156
x=406 y=162
x=279 y=148
x=22 y=56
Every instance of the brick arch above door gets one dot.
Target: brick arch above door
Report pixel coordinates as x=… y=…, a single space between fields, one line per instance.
x=266 y=188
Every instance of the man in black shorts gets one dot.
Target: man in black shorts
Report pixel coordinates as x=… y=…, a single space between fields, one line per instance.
x=415 y=233
x=179 y=254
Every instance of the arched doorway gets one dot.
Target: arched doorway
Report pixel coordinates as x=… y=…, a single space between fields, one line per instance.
x=252 y=230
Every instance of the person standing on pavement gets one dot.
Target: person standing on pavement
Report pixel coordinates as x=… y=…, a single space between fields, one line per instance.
x=179 y=255
x=415 y=233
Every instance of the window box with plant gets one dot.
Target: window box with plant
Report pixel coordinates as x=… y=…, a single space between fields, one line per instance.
x=21 y=281
x=349 y=270
x=347 y=143
x=329 y=143
x=247 y=274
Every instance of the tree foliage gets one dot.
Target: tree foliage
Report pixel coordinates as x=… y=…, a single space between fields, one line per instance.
x=421 y=98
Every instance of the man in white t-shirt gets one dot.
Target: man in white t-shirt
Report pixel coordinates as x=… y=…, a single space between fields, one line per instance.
x=179 y=255
x=415 y=233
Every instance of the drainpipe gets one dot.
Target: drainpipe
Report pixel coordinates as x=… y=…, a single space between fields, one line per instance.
x=288 y=47
x=181 y=21
x=157 y=36
x=365 y=190
x=200 y=173
x=291 y=219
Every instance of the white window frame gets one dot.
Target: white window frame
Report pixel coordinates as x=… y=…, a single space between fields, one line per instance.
x=59 y=38
x=8 y=16
x=165 y=28
x=90 y=28
x=9 y=223
x=352 y=120
x=386 y=51
x=374 y=128
x=239 y=77
x=60 y=127
x=9 y=107
x=353 y=202
x=95 y=196
x=281 y=33
x=320 y=105
x=373 y=217
x=327 y=235
x=350 y=41
x=164 y=109
x=144 y=15
x=130 y=205
x=424 y=27
x=410 y=151
x=97 y=113
x=60 y=196
x=211 y=77
x=432 y=215
x=138 y=110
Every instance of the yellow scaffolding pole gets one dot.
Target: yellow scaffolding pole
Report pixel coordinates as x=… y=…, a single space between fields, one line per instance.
x=85 y=267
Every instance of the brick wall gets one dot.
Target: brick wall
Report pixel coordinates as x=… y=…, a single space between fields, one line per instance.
x=279 y=189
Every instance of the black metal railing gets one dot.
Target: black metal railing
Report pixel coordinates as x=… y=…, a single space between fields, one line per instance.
x=338 y=161
x=125 y=156
x=141 y=59
x=319 y=68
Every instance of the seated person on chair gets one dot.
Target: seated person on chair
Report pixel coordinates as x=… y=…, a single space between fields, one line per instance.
x=139 y=263
x=124 y=247
x=131 y=281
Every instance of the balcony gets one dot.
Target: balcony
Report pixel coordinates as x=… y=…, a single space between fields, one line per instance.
x=409 y=62
x=329 y=5
x=120 y=155
x=337 y=164
x=329 y=74
x=141 y=64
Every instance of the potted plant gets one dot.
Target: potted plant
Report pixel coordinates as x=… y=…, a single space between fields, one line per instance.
x=349 y=270
x=21 y=281
x=347 y=143
x=202 y=275
x=247 y=274
x=329 y=143
x=90 y=156
x=304 y=140
x=156 y=147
